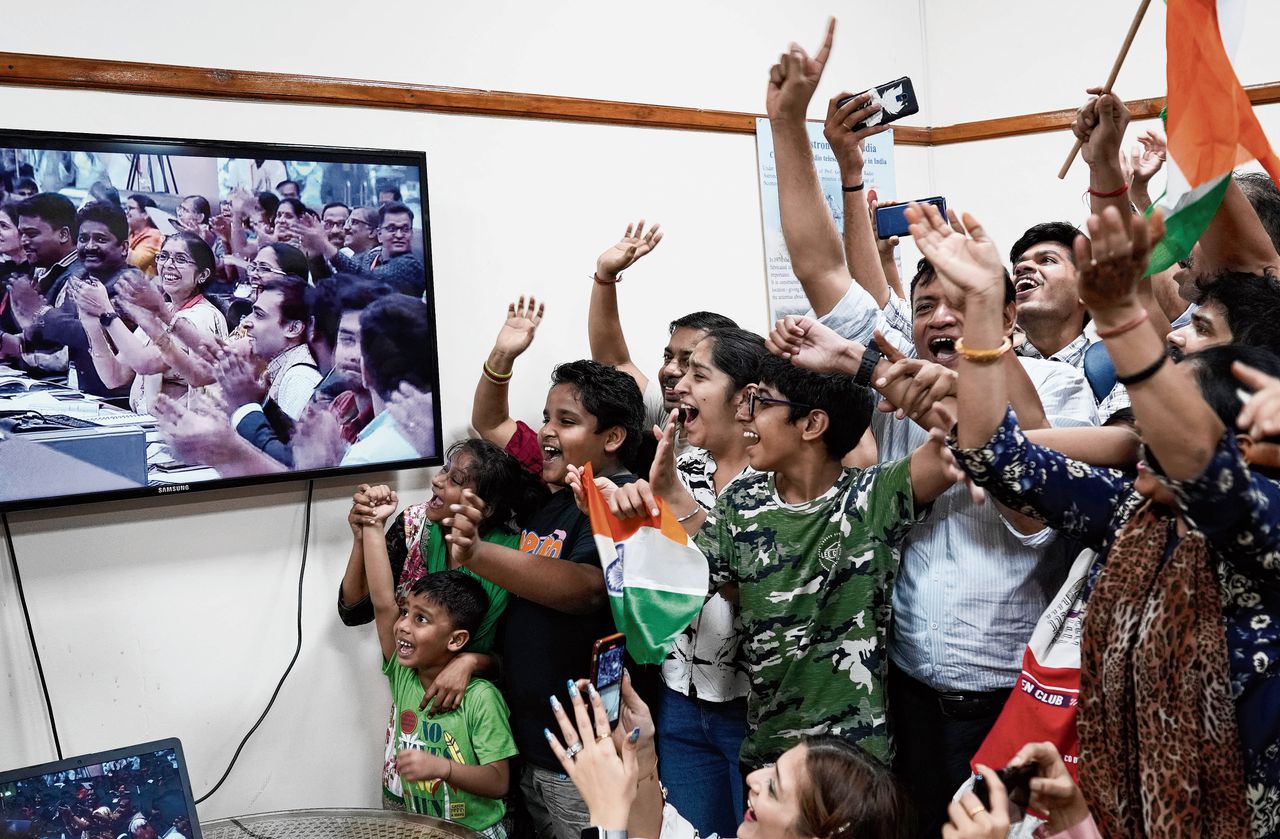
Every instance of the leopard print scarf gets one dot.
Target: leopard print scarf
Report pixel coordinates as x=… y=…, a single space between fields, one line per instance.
x=1159 y=749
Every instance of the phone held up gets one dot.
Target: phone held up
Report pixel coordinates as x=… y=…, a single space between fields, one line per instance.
x=897 y=99
x=607 y=660
x=891 y=220
x=1017 y=784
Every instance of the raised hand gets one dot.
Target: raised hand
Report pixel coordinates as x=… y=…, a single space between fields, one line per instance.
x=522 y=323
x=808 y=344
x=662 y=473
x=134 y=287
x=239 y=377
x=361 y=511
x=846 y=142
x=311 y=235
x=1260 y=416
x=885 y=246
x=1100 y=124
x=1147 y=158
x=90 y=297
x=967 y=263
x=26 y=299
x=604 y=771
x=317 y=439
x=383 y=503
x=1112 y=263
x=464 y=528
x=634 y=244
x=795 y=77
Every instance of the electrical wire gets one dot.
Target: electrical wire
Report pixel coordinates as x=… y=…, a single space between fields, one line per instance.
x=31 y=635
x=306 y=541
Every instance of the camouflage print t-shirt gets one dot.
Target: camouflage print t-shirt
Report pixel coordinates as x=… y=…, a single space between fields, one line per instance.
x=815 y=594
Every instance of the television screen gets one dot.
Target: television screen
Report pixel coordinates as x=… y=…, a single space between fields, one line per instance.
x=138 y=791
x=183 y=314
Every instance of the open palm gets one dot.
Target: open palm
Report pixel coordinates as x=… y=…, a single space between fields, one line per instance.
x=967 y=263
x=521 y=325
x=634 y=244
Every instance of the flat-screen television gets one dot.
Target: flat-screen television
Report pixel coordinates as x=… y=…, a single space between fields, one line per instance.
x=188 y=314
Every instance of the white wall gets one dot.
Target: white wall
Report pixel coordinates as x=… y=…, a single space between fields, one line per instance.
x=175 y=616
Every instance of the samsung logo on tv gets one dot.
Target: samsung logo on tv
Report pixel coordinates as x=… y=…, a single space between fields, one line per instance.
x=174 y=488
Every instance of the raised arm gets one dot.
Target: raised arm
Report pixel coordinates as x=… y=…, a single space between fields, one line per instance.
x=1178 y=426
x=847 y=144
x=490 y=411
x=377 y=568
x=817 y=256
x=1100 y=125
x=604 y=326
x=1235 y=239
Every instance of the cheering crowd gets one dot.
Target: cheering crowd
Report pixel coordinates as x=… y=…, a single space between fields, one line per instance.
x=265 y=338
x=894 y=493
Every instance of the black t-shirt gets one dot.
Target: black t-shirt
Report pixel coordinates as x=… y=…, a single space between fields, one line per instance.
x=543 y=648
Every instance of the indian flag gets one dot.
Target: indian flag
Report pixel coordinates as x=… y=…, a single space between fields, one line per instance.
x=656 y=578
x=1210 y=121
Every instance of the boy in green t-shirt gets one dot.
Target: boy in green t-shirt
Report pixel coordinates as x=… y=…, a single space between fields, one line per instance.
x=811 y=548
x=452 y=765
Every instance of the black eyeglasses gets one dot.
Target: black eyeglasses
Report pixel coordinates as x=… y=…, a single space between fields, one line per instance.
x=754 y=399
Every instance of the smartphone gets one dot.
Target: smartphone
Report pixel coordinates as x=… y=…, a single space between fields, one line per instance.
x=892 y=219
x=1017 y=784
x=607 y=659
x=897 y=99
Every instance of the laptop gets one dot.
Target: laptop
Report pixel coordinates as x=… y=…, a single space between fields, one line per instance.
x=136 y=791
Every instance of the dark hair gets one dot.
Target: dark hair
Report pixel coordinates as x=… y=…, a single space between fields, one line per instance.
x=327 y=207
x=27 y=183
x=847 y=406
x=393 y=190
x=201 y=205
x=392 y=208
x=103 y=192
x=269 y=202
x=291 y=259
x=925 y=273
x=1249 y=302
x=336 y=295
x=703 y=322
x=295 y=304
x=850 y=794
x=198 y=249
x=1218 y=385
x=280 y=185
x=1059 y=232
x=299 y=209
x=1265 y=198
x=510 y=492
x=53 y=209
x=395 y=343
x=108 y=215
x=146 y=202
x=609 y=395
x=10 y=209
x=737 y=353
x=459 y=593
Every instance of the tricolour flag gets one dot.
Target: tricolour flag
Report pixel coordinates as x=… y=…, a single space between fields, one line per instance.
x=656 y=578
x=1210 y=122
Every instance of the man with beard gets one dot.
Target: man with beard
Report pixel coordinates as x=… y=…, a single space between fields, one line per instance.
x=609 y=344
x=102 y=232
x=46 y=225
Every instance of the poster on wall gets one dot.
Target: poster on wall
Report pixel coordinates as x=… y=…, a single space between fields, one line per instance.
x=785 y=295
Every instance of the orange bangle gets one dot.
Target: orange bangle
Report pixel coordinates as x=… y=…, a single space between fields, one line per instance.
x=1128 y=326
x=983 y=356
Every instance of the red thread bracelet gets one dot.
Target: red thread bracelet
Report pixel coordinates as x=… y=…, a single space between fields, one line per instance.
x=1128 y=326
x=1114 y=194
x=614 y=281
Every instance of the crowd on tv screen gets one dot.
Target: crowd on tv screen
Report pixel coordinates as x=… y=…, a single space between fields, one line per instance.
x=260 y=333
x=995 y=539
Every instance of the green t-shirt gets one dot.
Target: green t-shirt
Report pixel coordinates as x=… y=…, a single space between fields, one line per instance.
x=815 y=587
x=474 y=734
x=436 y=559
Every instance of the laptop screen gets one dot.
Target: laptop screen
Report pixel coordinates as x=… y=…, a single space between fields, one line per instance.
x=137 y=791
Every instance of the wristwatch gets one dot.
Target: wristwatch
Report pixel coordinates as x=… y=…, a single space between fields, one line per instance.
x=106 y=317
x=870 y=357
x=602 y=833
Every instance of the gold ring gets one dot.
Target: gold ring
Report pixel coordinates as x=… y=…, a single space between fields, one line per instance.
x=975 y=811
x=603 y=737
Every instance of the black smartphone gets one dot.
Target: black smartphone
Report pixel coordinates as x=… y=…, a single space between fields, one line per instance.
x=1017 y=784
x=897 y=99
x=892 y=220
x=607 y=659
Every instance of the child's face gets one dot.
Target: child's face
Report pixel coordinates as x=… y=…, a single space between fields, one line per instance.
x=448 y=484
x=424 y=634
x=568 y=436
